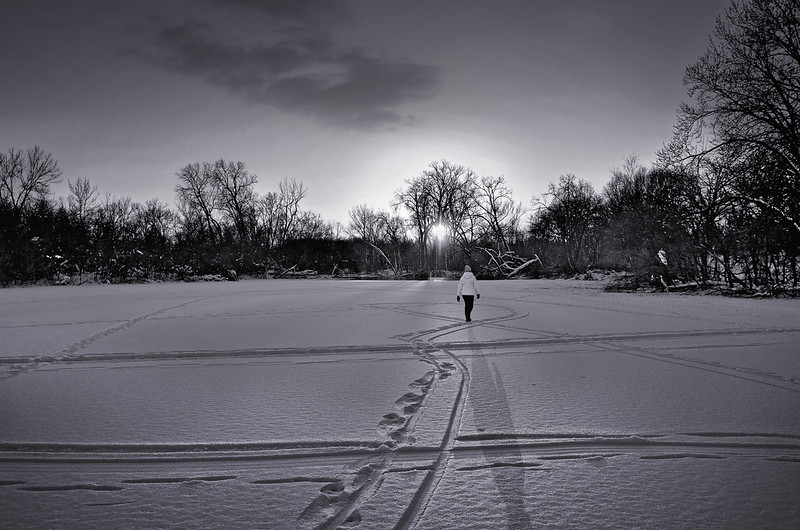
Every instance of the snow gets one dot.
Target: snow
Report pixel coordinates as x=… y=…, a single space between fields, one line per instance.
x=239 y=401
x=371 y=404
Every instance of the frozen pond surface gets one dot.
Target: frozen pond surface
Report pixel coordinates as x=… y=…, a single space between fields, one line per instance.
x=368 y=404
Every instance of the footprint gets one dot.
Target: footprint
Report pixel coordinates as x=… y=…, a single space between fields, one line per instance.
x=392 y=419
x=332 y=488
x=332 y=495
x=397 y=436
x=316 y=507
x=395 y=424
x=354 y=519
x=411 y=402
x=410 y=398
x=336 y=492
x=425 y=381
x=365 y=474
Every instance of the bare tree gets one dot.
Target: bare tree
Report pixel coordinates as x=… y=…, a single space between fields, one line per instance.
x=570 y=214
x=279 y=216
x=381 y=231
x=268 y=218
x=626 y=187
x=83 y=197
x=746 y=97
x=443 y=195
x=115 y=233
x=392 y=228
x=311 y=225
x=747 y=85
x=198 y=196
x=498 y=210
x=290 y=193
x=363 y=222
x=155 y=221
x=237 y=198
x=25 y=176
x=416 y=199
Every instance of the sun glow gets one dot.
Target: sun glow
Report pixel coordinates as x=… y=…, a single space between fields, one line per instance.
x=439 y=232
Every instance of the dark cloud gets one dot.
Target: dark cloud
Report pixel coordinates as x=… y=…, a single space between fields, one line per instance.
x=300 y=70
x=365 y=93
x=190 y=48
x=303 y=13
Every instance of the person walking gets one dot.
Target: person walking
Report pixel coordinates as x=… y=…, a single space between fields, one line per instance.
x=468 y=288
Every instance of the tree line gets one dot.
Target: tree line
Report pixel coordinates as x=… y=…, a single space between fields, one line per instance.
x=220 y=225
x=721 y=201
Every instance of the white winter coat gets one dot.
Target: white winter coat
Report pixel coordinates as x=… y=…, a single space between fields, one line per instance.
x=468 y=285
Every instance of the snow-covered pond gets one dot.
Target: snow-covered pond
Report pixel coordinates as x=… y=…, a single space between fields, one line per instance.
x=371 y=404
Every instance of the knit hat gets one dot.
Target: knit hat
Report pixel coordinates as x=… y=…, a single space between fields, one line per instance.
x=467 y=269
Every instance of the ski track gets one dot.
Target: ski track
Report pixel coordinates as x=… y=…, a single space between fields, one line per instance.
x=340 y=497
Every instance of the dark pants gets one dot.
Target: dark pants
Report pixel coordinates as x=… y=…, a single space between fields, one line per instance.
x=469 y=301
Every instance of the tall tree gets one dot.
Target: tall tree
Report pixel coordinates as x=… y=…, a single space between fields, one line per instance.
x=82 y=203
x=82 y=198
x=197 y=196
x=290 y=193
x=739 y=138
x=646 y=211
x=155 y=224
x=26 y=176
x=237 y=196
x=498 y=210
x=443 y=195
x=416 y=199
x=363 y=223
x=382 y=233
x=570 y=214
x=746 y=90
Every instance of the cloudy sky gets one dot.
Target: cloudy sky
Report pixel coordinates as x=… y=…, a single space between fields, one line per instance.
x=350 y=97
